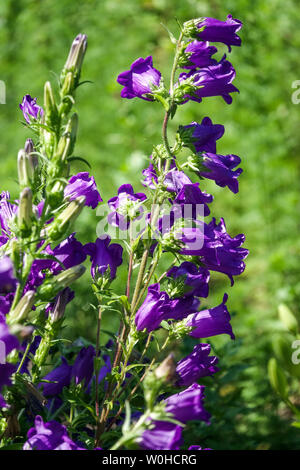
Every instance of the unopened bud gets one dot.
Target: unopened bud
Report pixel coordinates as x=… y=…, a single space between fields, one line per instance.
x=30 y=151
x=67 y=141
x=25 y=213
x=64 y=279
x=61 y=302
x=60 y=225
x=49 y=102
x=76 y=54
x=22 y=309
x=277 y=378
x=25 y=170
x=288 y=318
x=167 y=369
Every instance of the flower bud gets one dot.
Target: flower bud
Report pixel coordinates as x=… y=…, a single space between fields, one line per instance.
x=30 y=151
x=288 y=319
x=277 y=378
x=25 y=212
x=61 y=302
x=167 y=369
x=22 y=309
x=25 y=169
x=64 y=279
x=67 y=141
x=76 y=55
x=49 y=103
x=60 y=225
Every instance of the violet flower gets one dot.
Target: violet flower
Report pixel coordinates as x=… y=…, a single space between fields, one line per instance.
x=104 y=256
x=150 y=176
x=195 y=279
x=8 y=281
x=215 y=80
x=83 y=185
x=196 y=365
x=49 y=436
x=30 y=109
x=188 y=405
x=163 y=436
x=175 y=180
x=199 y=54
x=202 y=137
x=60 y=378
x=153 y=310
x=7 y=213
x=8 y=343
x=191 y=201
x=211 y=322
x=220 y=31
x=125 y=207
x=221 y=169
x=83 y=367
x=140 y=79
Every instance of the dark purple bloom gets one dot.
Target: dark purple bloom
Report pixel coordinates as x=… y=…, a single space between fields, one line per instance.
x=199 y=54
x=175 y=180
x=202 y=137
x=153 y=310
x=83 y=185
x=188 y=405
x=150 y=176
x=49 y=436
x=191 y=201
x=60 y=378
x=104 y=256
x=221 y=169
x=215 y=80
x=163 y=436
x=84 y=366
x=211 y=322
x=228 y=255
x=140 y=79
x=181 y=308
x=196 y=365
x=7 y=212
x=7 y=278
x=195 y=279
x=220 y=31
x=30 y=109
x=69 y=252
x=125 y=207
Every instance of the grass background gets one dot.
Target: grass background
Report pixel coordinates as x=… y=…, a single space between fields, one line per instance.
x=116 y=137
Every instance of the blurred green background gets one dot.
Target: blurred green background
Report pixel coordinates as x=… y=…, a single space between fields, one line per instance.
x=116 y=137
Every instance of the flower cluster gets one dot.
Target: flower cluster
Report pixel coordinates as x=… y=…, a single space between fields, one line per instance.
x=88 y=386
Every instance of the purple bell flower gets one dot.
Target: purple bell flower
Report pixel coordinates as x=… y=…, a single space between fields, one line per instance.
x=228 y=256
x=49 y=436
x=7 y=212
x=125 y=207
x=140 y=79
x=195 y=279
x=83 y=185
x=7 y=278
x=153 y=310
x=196 y=365
x=220 y=31
x=150 y=176
x=221 y=169
x=30 y=109
x=199 y=54
x=191 y=201
x=84 y=366
x=211 y=322
x=70 y=252
x=8 y=343
x=60 y=378
x=215 y=80
x=202 y=137
x=103 y=256
x=175 y=181
x=188 y=405
x=163 y=436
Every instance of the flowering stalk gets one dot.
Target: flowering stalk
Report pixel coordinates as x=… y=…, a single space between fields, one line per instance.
x=41 y=259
